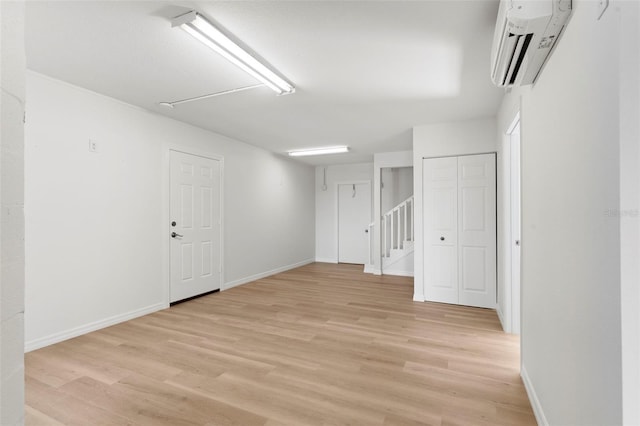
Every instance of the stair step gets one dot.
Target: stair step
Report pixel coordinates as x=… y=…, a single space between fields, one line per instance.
x=397 y=253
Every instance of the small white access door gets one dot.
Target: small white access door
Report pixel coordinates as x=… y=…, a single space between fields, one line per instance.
x=195 y=228
x=354 y=216
x=459 y=207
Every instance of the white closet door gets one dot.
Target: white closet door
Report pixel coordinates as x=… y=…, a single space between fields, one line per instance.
x=477 y=230
x=459 y=208
x=440 y=210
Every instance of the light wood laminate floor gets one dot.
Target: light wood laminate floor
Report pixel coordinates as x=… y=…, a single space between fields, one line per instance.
x=319 y=345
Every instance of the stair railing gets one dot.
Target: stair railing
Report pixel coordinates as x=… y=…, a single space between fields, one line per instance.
x=397 y=226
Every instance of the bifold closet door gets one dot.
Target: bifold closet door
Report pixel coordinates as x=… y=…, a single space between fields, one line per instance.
x=459 y=208
x=477 y=230
x=440 y=210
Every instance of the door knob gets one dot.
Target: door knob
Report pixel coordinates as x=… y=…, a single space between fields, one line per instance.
x=366 y=230
x=173 y=235
x=441 y=238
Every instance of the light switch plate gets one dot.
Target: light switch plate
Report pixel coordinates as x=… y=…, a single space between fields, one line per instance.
x=602 y=6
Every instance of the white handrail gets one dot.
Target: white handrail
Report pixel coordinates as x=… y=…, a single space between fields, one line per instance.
x=408 y=200
x=397 y=226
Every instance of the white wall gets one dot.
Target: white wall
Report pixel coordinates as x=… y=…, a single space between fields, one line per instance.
x=327 y=205
x=397 y=186
x=439 y=140
x=96 y=240
x=571 y=338
x=630 y=202
x=12 y=216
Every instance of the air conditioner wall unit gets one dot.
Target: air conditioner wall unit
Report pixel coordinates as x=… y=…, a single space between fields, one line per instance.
x=526 y=33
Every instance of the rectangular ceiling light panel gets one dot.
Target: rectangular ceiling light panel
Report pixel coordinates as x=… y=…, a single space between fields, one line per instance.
x=204 y=31
x=319 y=151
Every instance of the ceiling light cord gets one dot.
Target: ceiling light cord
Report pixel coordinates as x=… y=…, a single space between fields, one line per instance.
x=210 y=95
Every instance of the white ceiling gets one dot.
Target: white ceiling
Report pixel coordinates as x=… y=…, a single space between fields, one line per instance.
x=365 y=72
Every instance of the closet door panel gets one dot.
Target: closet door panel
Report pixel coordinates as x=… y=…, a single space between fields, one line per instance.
x=477 y=230
x=440 y=209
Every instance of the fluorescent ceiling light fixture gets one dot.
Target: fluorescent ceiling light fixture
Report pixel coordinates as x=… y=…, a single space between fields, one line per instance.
x=319 y=151
x=204 y=31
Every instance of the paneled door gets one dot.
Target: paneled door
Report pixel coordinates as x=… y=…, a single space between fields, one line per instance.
x=354 y=216
x=459 y=208
x=477 y=230
x=440 y=207
x=195 y=228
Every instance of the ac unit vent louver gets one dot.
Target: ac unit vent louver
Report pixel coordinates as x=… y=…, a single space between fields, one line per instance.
x=518 y=55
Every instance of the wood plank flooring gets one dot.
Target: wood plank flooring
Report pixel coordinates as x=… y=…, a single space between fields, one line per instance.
x=319 y=345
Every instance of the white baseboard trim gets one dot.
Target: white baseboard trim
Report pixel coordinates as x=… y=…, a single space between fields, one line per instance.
x=265 y=274
x=371 y=269
x=397 y=272
x=501 y=318
x=533 y=398
x=326 y=260
x=418 y=297
x=41 y=342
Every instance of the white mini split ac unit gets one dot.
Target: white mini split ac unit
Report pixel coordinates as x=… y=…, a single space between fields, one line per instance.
x=526 y=33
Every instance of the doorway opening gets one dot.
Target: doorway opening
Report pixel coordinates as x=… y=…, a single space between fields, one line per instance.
x=397 y=221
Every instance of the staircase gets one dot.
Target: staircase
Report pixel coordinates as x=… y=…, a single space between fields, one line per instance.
x=397 y=239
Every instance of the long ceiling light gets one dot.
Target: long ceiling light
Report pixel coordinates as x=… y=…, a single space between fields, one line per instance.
x=319 y=151
x=204 y=31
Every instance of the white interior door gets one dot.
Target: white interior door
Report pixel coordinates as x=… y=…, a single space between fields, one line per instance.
x=354 y=216
x=195 y=229
x=440 y=210
x=515 y=229
x=477 y=230
x=459 y=233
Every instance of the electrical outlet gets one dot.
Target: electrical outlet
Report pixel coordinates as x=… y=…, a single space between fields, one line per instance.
x=602 y=6
x=93 y=146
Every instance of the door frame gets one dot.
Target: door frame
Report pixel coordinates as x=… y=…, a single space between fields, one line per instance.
x=166 y=212
x=337 y=210
x=511 y=310
x=516 y=237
